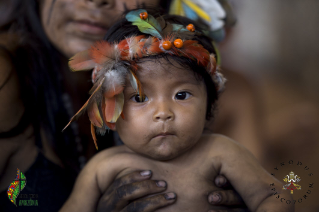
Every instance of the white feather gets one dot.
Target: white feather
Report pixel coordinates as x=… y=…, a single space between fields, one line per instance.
x=114 y=78
x=214 y=10
x=220 y=81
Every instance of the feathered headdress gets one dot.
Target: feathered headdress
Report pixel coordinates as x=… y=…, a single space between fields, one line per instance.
x=112 y=63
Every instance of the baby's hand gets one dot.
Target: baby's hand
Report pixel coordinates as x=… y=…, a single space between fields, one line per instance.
x=125 y=193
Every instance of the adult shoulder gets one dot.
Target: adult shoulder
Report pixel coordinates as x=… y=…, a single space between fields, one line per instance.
x=11 y=106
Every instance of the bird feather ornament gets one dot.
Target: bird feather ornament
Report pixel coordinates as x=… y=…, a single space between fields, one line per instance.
x=199 y=11
x=148 y=26
x=81 y=61
x=88 y=102
x=112 y=63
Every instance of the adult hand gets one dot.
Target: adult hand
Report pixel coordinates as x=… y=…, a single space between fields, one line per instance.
x=125 y=194
x=226 y=197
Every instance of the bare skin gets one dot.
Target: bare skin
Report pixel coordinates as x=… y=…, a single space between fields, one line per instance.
x=164 y=134
x=66 y=23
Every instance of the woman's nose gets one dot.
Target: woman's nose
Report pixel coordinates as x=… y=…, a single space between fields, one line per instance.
x=103 y=3
x=163 y=112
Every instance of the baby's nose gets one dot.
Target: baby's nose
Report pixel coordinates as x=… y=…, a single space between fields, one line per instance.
x=163 y=113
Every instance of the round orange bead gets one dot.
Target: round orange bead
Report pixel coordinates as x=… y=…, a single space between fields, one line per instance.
x=190 y=27
x=143 y=15
x=167 y=45
x=178 y=43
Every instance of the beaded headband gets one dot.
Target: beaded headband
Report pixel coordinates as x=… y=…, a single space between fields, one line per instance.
x=112 y=63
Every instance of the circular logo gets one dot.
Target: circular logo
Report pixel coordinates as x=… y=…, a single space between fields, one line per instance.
x=297 y=178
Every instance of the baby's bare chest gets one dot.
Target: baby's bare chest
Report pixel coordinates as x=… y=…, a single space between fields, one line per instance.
x=192 y=182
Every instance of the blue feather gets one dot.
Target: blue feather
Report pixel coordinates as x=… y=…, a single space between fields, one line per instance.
x=191 y=14
x=148 y=26
x=134 y=15
x=178 y=27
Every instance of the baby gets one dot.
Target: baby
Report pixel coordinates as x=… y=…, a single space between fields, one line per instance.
x=158 y=103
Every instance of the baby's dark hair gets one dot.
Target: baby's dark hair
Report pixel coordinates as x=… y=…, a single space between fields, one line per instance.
x=124 y=29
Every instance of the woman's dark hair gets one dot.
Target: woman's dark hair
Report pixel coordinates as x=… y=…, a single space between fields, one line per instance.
x=38 y=65
x=123 y=29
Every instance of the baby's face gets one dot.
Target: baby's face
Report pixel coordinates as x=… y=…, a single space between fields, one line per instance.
x=171 y=119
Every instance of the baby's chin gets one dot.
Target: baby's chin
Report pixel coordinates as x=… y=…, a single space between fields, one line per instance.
x=162 y=153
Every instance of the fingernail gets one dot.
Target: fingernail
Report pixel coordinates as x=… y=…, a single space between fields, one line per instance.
x=170 y=196
x=215 y=198
x=145 y=173
x=161 y=183
x=221 y=181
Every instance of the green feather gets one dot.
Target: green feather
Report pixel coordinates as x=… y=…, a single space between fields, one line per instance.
x=149 y=26
x=179 y=28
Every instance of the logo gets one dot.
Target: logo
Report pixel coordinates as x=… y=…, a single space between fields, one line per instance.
x=16 y=186
x=15 y=189
x=291 y=179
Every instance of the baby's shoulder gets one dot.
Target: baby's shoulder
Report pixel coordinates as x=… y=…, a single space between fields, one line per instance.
x=117 y=159
x=113 y=155
x=218 y=145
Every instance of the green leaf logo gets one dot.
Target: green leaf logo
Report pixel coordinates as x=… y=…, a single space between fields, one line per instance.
x=16 y=186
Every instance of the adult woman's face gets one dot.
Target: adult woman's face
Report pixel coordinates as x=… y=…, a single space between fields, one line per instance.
x=73 y=25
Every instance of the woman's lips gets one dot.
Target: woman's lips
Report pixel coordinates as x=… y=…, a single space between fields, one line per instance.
x=88 y=27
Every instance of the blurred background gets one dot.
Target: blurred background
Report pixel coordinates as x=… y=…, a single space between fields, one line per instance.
x=271 y=101
x=275 y=46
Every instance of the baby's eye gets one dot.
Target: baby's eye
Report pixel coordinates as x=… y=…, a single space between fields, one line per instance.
x=136 y=98
x=182 y=95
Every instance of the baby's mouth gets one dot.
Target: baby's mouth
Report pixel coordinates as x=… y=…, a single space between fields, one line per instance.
x=163 y=134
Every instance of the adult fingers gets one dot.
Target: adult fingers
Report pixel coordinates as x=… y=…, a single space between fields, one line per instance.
x=128 y=188
x=152 y=203
x=225 y=198
x=129 y=178
x=129 y=192
x=231 y=210
x=222 y=182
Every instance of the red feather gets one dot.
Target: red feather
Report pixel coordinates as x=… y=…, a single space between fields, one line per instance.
x=195 y=51
x=154 y=47
x=110 y=125
x=101 y=52
x=124 y=49
x=81 y=61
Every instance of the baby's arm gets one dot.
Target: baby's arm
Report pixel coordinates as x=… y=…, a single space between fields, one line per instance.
x=86 y=192
x=247 y=176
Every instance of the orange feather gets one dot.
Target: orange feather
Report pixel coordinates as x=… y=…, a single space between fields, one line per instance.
x=110 y=125
x=101 y=52
x=94 y=115
x=81 y=61
x=112 y=107
x=193 y=50
x=94 y=136
x=84 y=106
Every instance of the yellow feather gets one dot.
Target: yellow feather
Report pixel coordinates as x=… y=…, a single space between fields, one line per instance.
x=201 y=13
x=176 y=8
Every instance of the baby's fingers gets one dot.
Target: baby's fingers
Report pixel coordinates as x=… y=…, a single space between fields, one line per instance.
x=225 y=198
x=150 y=204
